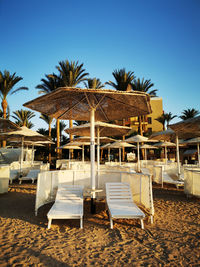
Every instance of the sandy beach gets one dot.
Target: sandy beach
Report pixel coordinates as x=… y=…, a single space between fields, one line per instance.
x=173 y=239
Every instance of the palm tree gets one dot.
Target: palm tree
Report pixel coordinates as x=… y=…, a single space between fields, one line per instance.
x=165 y=118
x=189 y=113
x=48 y=120
x=93 y=84
x=49 y=84
x=122 y=79
x=23 y=117
x=7 y=84
x=143 y=86
x=71 y=74
x=169 y=117
x=162 y=120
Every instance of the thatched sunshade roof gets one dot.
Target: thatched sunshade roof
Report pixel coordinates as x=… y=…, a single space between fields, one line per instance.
x=105 y=129
x=189 y=126
x=103 y=139
x=75 y=103
x=25 y=133
x=8 y=126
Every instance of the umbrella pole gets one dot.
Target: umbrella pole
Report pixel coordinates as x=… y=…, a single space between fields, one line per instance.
x=108 y=154
x=138 y=152
x=98 y=154
x=198 y=154
x=83 y=159
x=92 y=159
x=120 y=156
x=165 y=154
x=177 y=156
x=32 y=155
x=22 y=155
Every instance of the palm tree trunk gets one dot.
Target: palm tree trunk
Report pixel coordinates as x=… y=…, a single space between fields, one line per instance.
x=140 y=131
x=4 y=105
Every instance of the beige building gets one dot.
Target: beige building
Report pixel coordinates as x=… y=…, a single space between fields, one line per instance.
x=149 y=124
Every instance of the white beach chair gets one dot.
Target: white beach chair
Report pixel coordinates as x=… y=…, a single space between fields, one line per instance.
x=68 y=204
x=32 y=175
x=166 y=178
x=120 y=203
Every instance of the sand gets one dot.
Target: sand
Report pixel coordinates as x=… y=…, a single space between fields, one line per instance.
x=173 y=239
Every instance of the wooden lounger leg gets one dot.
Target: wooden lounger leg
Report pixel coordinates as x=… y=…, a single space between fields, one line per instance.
x=49 y=223
x=111 y=223
x=81 y=222
x=142 y=223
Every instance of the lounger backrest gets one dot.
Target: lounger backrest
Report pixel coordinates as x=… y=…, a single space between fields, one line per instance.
x=118 y=192
x=69 y=193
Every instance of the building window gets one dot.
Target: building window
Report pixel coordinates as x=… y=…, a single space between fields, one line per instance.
x=149 y=120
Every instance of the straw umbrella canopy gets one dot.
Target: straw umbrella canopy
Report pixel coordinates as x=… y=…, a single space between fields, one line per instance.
x=8 y=126
x=90 y=104
x=104 y=129
x=107 y=146
x=66 y=146
x=145 y=147
x=78 y=144
x=189 y=126
x=138 y=139
x=195 y=141
x=22 y=135
x=165 y=145
x=120 y=144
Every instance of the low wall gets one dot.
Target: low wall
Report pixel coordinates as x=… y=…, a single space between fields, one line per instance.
x=4 y=178
x=192 y=182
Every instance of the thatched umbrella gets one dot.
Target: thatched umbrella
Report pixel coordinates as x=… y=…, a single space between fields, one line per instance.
x=145 y=147
x=22 y=135
x=90 y=104
x=8 y=126
x=120 y=144
x=78 y=144
x=165 y=145
x=195 y=141
x=137 y=139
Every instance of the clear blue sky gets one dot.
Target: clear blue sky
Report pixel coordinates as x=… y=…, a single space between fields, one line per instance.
x=157 y=39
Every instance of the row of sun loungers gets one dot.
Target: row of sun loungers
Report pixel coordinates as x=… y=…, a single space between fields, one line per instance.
x=69 y=204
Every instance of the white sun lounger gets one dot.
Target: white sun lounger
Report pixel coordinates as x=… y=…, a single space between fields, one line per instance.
x=166 y=178
x=120 y=203
x=68 y=204
x=32 y=175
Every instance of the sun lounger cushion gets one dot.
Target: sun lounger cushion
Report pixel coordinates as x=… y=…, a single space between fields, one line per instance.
x=120 y=203
x=68 y=204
